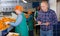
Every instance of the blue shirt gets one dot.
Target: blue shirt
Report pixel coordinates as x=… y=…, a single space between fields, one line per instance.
x=49 y=16
x=18 y=21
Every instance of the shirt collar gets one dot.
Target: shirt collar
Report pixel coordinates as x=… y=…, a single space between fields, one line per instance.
x=45 y=12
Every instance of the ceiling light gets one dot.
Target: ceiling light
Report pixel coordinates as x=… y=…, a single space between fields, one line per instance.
x=24 y=1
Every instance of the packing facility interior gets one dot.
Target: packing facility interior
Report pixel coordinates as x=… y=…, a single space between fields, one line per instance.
x=7 y=6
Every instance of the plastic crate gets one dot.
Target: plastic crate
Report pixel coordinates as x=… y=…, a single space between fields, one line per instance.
x=0 y=33
x=57 y=29
x=3 y=33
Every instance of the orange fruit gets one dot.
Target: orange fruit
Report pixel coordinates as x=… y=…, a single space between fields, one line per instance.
x=2 y=22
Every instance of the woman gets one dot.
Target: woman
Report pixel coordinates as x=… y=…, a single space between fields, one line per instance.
x=30 y=22
x=20 y=24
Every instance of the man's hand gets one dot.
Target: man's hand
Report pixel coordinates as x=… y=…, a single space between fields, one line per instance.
x=39 y=22
x=47 y=23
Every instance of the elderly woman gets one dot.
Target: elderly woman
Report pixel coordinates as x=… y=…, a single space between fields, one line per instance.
x=20 y=24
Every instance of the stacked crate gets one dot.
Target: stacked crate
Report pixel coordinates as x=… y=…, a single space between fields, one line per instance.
x=56 y=29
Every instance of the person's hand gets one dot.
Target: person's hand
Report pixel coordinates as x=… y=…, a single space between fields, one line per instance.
x=47 y=23
x=39 y=22
x=35 y=19
x=7 y=22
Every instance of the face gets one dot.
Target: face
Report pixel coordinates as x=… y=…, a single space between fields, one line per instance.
x=18 y=12
x=29 y=12
x=44 y=6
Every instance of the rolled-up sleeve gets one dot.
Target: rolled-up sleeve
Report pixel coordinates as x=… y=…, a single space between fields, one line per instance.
x=38 y=19
x=18 y=21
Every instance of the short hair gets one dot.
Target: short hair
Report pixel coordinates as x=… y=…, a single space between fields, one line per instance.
x=44 y=2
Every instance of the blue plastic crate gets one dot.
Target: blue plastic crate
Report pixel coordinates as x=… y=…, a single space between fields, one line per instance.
x=2 y=33
x=56 y=29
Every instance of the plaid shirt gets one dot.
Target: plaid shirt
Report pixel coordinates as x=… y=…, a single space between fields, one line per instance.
x=49 y=16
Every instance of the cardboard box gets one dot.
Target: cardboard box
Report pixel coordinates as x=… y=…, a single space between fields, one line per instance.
x=13 y=34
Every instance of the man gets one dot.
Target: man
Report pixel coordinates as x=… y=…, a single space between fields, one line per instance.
x=46 y=19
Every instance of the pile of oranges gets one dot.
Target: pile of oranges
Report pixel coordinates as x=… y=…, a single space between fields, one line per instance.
x=4 y=26
x=6 y=19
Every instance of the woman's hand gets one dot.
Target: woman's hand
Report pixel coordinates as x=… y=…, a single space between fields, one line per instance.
x=7 y=22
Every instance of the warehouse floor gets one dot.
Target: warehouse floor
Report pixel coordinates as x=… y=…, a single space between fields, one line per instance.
x=36 y=34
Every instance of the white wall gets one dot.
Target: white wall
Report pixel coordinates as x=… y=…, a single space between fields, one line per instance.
x=52 y=4
x=55 y=6
x=58 y=10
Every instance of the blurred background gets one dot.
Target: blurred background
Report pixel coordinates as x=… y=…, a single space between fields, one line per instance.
x=7 y=9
